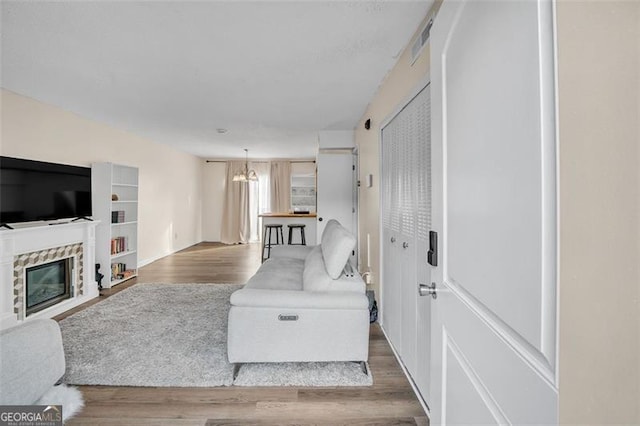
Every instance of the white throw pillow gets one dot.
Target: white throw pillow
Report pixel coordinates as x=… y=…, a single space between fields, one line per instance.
x=337 y=244
x=314 y=276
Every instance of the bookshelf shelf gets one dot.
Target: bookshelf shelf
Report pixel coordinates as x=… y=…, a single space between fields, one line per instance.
x=122 y=254
x=124 y=223
x=121 y=280
x=110 y=181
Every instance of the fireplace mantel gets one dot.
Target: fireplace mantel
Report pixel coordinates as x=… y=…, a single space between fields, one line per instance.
x=75 y=238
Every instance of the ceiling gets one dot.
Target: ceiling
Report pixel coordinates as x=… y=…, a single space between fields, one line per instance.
x=272 y=73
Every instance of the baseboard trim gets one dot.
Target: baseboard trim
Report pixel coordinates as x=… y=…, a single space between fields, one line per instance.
x=406 y=373
x=145 y=262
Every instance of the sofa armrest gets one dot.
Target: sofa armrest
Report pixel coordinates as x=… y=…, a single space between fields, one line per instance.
x=293 y=252
x=291 y=299
x=31 y=361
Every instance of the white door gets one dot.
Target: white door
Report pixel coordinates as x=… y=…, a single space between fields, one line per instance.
x=406 y=319
x=391 y=302
x=422 y=191
x=494 y=197
x=406 y=241
x=335 y=189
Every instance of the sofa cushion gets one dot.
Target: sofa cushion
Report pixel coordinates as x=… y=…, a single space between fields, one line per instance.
x=293 y=251
x=315 y=277
x=278 y=273
x=337 y=244
x=299 y=299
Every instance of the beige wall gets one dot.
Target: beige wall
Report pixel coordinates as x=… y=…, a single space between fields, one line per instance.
x=170 y=181
x=213 y=187
x=394 y=91
x=599 y=95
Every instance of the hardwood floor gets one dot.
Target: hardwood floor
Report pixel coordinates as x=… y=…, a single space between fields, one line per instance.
x=390 y=401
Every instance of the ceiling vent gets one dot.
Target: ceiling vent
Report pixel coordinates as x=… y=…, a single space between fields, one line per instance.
x=420 y=41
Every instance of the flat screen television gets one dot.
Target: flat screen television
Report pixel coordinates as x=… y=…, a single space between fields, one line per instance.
x=35 y=190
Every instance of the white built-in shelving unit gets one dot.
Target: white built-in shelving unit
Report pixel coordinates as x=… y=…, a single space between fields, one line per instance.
x=115 y=189
x=303 y=192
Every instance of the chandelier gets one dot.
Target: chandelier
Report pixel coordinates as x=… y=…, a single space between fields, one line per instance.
x=246 y=175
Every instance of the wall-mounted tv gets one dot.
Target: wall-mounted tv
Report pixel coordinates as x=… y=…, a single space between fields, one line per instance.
x=35 y=190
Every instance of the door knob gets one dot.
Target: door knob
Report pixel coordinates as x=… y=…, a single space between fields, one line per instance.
x=393 y=239
x=425 y=290
x=319 y=219
x=405 y=245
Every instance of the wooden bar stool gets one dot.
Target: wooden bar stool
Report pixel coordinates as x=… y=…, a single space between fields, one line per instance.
x=267 y=241
x=301 y=227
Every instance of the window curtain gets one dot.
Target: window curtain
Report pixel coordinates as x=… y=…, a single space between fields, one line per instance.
x=280 y=182
x=236 y=213
x=259 y=200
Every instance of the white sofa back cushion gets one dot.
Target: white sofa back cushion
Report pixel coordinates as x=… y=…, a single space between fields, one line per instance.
x=316 y=279
x=314 y=276
x=337 y=244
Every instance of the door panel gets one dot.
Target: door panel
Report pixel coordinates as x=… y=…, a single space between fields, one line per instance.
x=493 y=140
x=408 y=348
x=406 y=216
x=520 y=392
x=391 y=303
x=423 y=226
x=406 y=245
x=465 y=390
x=391 y=291
x=506 y=193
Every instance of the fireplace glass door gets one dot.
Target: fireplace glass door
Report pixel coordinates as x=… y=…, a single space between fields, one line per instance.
x=48 y=284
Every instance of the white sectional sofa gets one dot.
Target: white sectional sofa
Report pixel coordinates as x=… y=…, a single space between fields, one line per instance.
x=31 y=361
x=304 y=304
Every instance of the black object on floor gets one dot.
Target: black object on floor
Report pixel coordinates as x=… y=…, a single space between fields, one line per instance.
x=373 y=307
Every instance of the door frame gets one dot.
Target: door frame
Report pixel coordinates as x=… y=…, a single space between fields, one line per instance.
x=422 y=84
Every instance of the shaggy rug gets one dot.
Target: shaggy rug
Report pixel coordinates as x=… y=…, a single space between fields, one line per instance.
x=68 y=396
x=175 y=335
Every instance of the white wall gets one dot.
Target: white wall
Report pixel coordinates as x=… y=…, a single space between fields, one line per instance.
x=213 y=185
x=170 y=193
x=303 y=168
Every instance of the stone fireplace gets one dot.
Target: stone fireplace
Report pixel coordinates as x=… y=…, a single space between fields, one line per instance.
x=45 y=270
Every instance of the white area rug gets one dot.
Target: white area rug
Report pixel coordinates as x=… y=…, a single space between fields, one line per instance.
x=68 y=396
x=303 y=374
x=175 y=335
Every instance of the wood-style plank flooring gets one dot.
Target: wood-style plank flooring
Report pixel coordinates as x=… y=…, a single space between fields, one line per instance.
x=390 y=401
